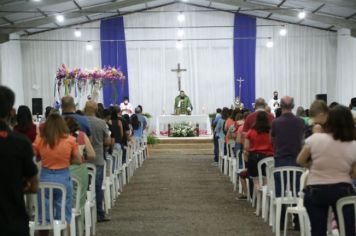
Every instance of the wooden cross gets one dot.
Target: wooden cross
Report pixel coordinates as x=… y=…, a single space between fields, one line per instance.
x=240 y=85
x=179 y=75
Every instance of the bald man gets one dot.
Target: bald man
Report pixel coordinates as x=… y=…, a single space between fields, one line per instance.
x=68 y=110
x=260 y=105
x=287 y=133
x=100 y=138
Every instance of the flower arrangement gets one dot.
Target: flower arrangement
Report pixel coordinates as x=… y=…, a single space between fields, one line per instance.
x=183 y=129
x=80 y=77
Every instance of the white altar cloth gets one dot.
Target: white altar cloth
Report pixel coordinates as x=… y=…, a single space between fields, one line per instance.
x=164 y=120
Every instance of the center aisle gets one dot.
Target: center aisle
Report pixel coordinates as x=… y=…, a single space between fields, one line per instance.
x=181 y=195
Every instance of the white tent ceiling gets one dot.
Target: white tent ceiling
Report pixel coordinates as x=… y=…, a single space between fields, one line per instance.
x=31 y=16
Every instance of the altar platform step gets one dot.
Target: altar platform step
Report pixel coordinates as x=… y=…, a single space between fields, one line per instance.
x=182 y=146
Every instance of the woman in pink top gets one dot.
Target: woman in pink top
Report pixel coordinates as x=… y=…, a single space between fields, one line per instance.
x=331 y=159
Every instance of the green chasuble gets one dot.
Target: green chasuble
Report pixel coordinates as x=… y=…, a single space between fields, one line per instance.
x=181 y=106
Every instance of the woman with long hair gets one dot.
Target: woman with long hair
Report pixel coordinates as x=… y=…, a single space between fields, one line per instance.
x=136 y=127
x=331 y=159
x=57 y=150
x=258 y=145
x=25 y=123
x=86 y=152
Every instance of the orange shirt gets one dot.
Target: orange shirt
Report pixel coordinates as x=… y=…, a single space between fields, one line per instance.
x=57 y=158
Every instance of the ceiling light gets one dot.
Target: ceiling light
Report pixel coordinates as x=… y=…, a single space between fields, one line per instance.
x=60 y=18
x=180 y=33
x=184 y=0
x=283 y=32
x=181 y=17
x=36 y=0
x=179 y=45
x=269 y=44
x=302 y=15
x=77 y=33
x=89 y=46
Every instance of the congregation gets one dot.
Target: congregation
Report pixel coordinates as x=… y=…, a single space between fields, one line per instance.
x=275 y=152
x=65 y=147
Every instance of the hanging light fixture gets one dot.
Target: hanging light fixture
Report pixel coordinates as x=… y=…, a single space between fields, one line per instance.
x=179 y=45
x=89 y=46
x=302 y=14
x=269 y=44
x=181 y=17
x=180 y=33
x=60 y=18
x=283 y=31
x=77 y=33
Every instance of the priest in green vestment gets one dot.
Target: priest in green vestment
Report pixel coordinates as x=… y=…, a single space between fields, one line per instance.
x=182 y=105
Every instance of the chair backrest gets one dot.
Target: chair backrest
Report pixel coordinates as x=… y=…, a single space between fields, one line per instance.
x=77 y=185
x=341 y=203
x=266 y=163
x=47 y=189
x=231 y=149
x=92 y=176
x=303 y=179
x=109 y=166
x=117 y=155
x=288 y=177
x=221 y=147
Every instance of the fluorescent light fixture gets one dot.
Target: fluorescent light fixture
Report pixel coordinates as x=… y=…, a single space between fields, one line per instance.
x=302 y=15
x=269 y=44
x=89 y=46
x=77 y=33
x=60 y=18
x=179 y=45
x=180 y=33
x=181 y=17
x=283 y=32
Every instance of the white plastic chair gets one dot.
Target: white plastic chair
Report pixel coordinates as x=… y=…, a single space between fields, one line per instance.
x=261 y=194
x=90 y=214
x=76 y=211
x=289 y=192
x=238 y=170
x=106 y=187
x=57 y=225
x=221 y=154
x=299 y=210
x=341 y=203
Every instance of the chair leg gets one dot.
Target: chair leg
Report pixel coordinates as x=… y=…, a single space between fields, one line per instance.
x=278 y=217
x=286 y=223
x=264 y=199
x=87 y=218
x=258 y=204
x=72 y=226
x=57 y=228
x=32 y=228
x=301 y=223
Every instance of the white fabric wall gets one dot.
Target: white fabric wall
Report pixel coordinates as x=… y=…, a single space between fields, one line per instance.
x=42 y=59
x=301 y=64
x=345 y=87
x=11 y=68
x=209 y=79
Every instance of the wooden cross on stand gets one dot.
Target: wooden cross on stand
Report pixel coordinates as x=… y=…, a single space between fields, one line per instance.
x=240 y=85
x=179 y=75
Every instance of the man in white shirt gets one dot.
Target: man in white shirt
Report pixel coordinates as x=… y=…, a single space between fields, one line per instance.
x=274 y=102
x=126 y=107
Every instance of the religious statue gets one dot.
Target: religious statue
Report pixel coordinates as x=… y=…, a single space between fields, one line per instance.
x=238 y=104
x=182 y=104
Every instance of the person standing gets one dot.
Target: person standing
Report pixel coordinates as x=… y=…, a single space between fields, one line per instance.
x=182 y=104
x=25 y=123
x=287 y=134
x=216 y=138
x=126 y=107
x=331 y=159
x=260 y=105
x=274 y=102
x=100 y=137
x=68 y=109
x=18 y=173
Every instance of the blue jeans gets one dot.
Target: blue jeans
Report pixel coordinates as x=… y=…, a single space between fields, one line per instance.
x=216 y=148
x=99 y=191
x=60 y=177
x=318 y=199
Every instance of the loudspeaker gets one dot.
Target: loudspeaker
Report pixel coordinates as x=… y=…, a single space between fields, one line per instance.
x=37 y=107
x=323 y=97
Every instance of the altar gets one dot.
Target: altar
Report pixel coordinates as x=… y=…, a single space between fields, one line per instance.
x=163 y=121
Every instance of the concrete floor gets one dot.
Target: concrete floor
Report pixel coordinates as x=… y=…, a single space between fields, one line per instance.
x=181 y=195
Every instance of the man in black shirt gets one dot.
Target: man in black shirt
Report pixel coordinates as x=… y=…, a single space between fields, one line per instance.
x=18 y=173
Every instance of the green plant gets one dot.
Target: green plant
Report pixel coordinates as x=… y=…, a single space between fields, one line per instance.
x=152 y=140
x=147 y=115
